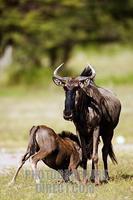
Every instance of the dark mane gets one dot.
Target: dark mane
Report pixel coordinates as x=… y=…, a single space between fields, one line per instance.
x=67 y=134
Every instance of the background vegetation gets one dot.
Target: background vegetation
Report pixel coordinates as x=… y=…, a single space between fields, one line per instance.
x=44 y=33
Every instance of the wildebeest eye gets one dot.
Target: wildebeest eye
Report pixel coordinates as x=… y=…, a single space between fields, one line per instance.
x=65 y=88
x=84 y=83
x=57 y=81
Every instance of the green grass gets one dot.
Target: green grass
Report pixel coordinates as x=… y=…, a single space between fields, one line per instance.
x=108 y=60
x=120 y=186
x=25 y=105
x=19 y=113
x=113 y=64
x=126 y=79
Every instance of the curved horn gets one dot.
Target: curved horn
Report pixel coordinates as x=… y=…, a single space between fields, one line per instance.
x=56 y=71
x=93 y=72
x=88 y=72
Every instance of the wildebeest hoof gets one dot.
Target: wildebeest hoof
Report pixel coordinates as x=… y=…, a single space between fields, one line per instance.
x=85 y=181
x=37 y=181
x=11 y=183
x=59 y=181
x=104 y=181
x=92 y=179
x=77 y=182
x=97 y=183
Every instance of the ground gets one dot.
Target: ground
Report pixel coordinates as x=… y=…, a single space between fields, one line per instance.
x=120 y=186
x=22 y=107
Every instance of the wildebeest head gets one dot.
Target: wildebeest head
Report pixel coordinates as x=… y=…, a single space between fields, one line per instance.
x=71 y=86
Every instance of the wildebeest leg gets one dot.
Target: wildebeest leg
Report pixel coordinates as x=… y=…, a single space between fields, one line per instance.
x=23 y=160
x=84 y=159
x=65 y=175
x=34 y=160
x=95 y=154
x=107 y=137
x=92 y=178
x=74 y=161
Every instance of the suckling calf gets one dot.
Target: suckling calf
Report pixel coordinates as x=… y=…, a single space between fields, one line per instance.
x=60 y=152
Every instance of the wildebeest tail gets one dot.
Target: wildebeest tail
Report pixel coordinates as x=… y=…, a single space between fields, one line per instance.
x=112 y=155
x=32 y=142
x=32 y=145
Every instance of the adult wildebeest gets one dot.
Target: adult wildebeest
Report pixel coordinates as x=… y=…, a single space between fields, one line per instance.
x=95 y=112
x=61 y=152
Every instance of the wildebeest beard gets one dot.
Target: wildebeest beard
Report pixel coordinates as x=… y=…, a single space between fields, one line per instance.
x=76 y=114
x=69 y=104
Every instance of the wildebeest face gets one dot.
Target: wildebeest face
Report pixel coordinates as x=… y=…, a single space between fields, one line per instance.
x=71 y=86
x=70 y=89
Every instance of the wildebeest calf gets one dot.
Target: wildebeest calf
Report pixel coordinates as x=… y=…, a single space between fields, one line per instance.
x=61 y=152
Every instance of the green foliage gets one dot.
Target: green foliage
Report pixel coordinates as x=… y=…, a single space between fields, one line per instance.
x=50 y=29
x=117 y=80
x=30 y=77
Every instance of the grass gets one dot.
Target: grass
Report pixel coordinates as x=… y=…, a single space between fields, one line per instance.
x=108 y=60
x=20 y=113
x=23 y=106
x=120 y=186
x=126 y=79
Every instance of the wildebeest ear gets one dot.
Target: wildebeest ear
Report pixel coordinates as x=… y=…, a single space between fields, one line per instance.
x=58 y=82
x=84 y=83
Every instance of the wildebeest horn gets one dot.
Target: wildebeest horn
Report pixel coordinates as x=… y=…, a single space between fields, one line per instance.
x=58 y=80
x=93 y=72
x=88 y=73
x=80 y=78
x=56 y=71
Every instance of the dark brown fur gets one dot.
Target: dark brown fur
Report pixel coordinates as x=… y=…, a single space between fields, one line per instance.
x=58 y=151
x=95 y=112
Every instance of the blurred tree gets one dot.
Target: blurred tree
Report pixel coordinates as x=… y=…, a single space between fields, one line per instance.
x=50 y=28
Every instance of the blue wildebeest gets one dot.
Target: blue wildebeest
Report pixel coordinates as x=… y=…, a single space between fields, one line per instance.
x=61 y=152
x=95 y=112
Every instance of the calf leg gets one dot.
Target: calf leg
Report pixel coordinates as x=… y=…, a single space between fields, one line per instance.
x=34 y=160
x=74 y=161
x=65 y=175
x=95 y=154
x=23 y=160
